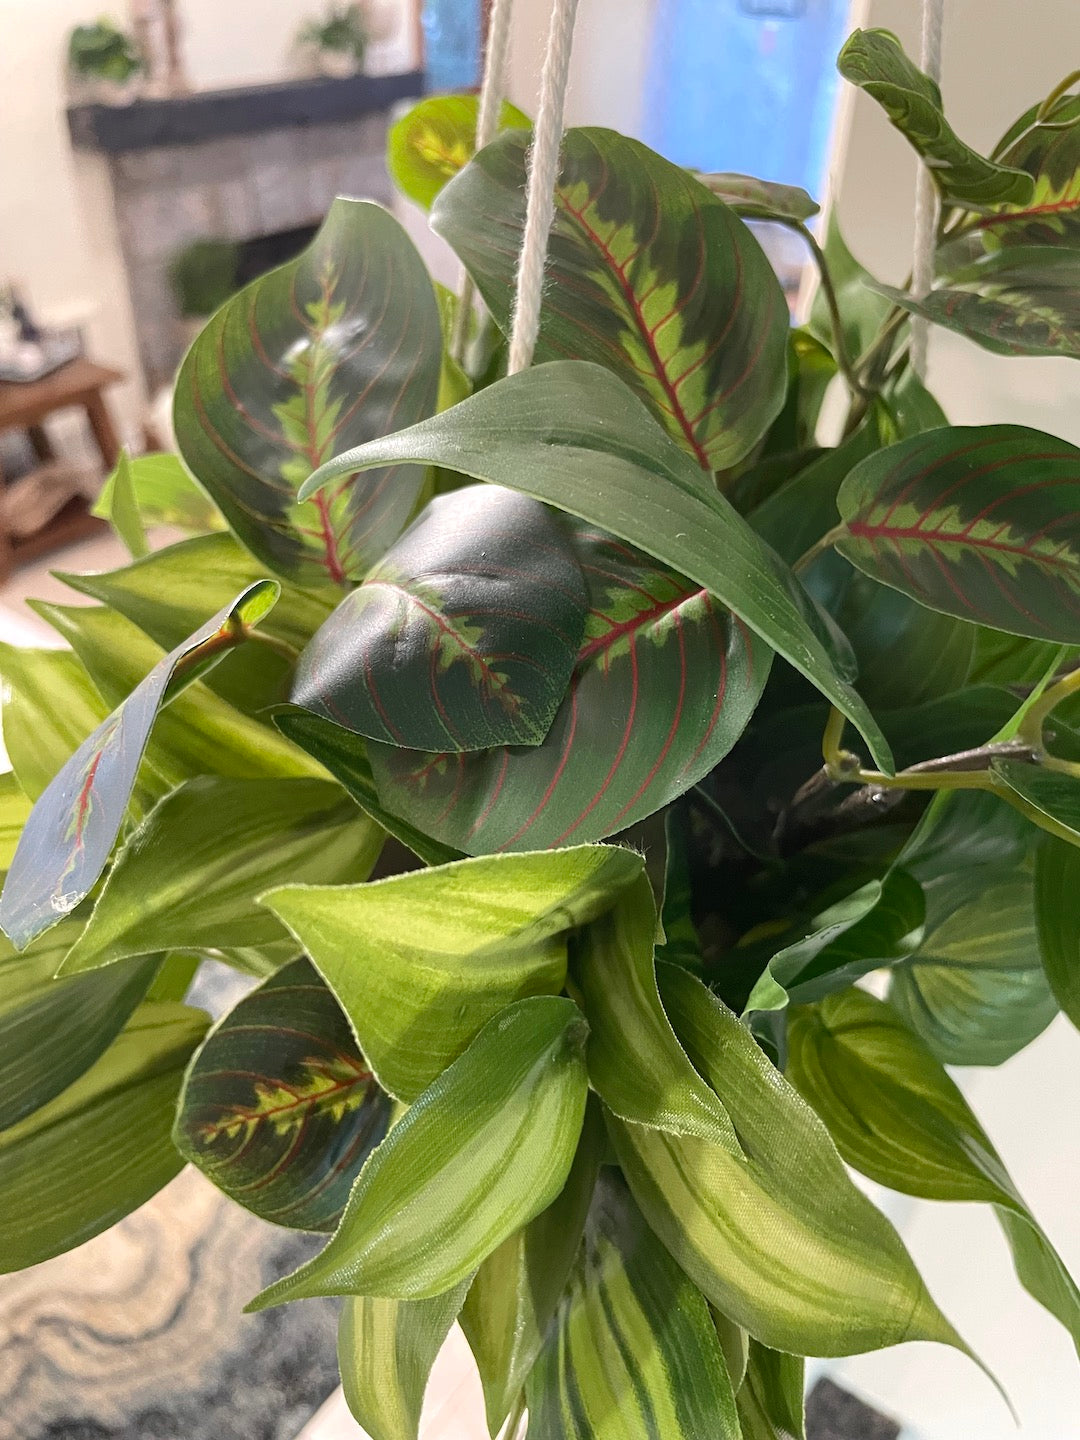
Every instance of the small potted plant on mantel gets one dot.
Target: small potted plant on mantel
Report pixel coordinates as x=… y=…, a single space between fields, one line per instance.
x=104 y=64
x=335 y=45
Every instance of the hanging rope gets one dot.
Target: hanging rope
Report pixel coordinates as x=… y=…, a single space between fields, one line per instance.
x=496 y=49
x=540 y=195
x=926 y=196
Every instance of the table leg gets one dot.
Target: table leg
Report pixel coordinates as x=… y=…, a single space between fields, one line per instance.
x=43 y=446
x=6 y=550
x=101 y=423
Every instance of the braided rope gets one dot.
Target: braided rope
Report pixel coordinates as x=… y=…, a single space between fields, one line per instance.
x=926 y=196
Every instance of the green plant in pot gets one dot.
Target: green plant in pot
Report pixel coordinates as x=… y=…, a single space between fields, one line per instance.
x=203 y=276
x=558 y=753
x=337 y=42
x=104 y=61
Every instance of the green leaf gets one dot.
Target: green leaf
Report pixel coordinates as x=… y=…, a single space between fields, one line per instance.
x=50 y=706
x=1019 y=301
x=875 y=61
x=973 y=521
x=974 y=990
x=386 y=1349
x=633 y=1351
x=15 y=808
x=69 y=836
x=166 y=594
x=1057 y=915
x=1048 y=797
x=190 y=876
x=343 y=754
x=278 y=1108
x=862 y=308
x=648 y=274
x=52 y=1030
x=574 y=436
x=758 y=199
x=118 y=504
x=421 y=961
x=875 y=926
x=896 y=1116
x=102 y=1146
x=770 y=1399
x=681 y=944
x=636 y=1064
x=516 y=1292
x=464 y=635
x=777 y=1237
x=486 y=1147
x=657 y=651
x=157 y=490
x=437 y=138
x=333 y=348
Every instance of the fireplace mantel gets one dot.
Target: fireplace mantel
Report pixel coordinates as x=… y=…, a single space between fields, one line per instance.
x=214 y=114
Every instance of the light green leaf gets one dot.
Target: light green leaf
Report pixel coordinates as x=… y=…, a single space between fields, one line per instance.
x=15 y=808
x=896 y=1116
x=778 y=1238
x=422 y=960
x=517 y=1289
x=102 y=1147
x=633 y=1353
x=190 y=876
x=1057 y=915
x=573 y=435
x=386 y=1349
x=636 y=1064
x=159 y=490
x=486 y=1147
x=118 y=504
x=435 y=139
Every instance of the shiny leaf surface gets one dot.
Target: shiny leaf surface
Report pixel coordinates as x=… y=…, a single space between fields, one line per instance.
x=278 y=1107
x=648 y=274
x=336 y=347
x=486 y=1147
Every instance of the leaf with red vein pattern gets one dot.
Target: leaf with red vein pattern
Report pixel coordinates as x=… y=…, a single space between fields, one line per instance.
x=648 y=274
x=464 y=635
x=341 y=345
x=279 y=1108
x=980 y=521
x=71 y=830
x=666 y=679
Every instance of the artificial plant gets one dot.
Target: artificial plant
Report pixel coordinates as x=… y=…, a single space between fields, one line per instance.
x=559 y=753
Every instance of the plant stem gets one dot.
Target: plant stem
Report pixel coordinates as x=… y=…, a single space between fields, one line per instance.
x=819 y=547
x=1031 y=728
x=828 y=290
x=273 y=642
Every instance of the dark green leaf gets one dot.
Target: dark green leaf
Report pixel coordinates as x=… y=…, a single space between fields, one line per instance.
x=636 y=1064
x=343 y=754
x=633 y=1352
x=770 y=1399
x=1048 y=797
x=896 y=1116
x=190 y=876
x=52 y=1030
x=517 y=1289
x=464 y=636
x=656 y=651
x=102 y=1147
x=69 y=836
x=1057 y=914
x=648 y=274
x=681 y=944
x=422 y=960
x=437 y=138
x=862 y=308
x=279 y=1108
x=973 y=521
x=776 y=1235
x=759 y=199
x=333 y=348
x=386 y=1349
x=486 y=1147
x=573 y=435
x=875 y=61
x=157 y=491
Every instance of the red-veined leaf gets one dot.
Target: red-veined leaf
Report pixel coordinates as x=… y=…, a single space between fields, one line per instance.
x=979 y=522
x=648 y=274
x=464 y=635
x=341 y=345
x=279 y=1108
x=71 y=830
x=665 y=681
x=758 y=199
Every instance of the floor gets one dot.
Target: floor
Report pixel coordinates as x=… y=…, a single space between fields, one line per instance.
x=1030 y=1107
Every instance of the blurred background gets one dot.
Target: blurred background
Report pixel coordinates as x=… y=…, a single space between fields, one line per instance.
x=155 y=158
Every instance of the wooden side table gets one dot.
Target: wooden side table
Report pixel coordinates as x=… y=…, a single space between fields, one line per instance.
x=78 y=385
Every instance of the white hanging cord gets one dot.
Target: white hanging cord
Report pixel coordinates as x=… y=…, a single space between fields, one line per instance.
x=496 y=49
x=540 y=196
x=926 y=196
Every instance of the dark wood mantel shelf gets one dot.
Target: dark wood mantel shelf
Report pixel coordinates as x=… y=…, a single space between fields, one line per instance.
x=210 y=114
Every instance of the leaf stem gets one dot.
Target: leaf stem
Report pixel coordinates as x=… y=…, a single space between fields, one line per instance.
x=826 y=542
x=1031 y=727
x=828 y=290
